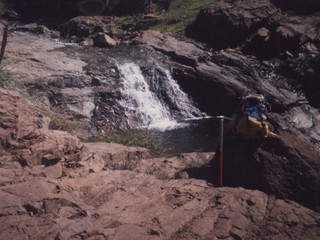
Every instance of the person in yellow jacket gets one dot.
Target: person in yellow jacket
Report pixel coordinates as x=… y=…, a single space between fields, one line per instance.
x=252 y=120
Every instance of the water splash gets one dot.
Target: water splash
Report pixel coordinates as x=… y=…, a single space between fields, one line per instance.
x=141 y=104
x=180 y=99
x=147 y=98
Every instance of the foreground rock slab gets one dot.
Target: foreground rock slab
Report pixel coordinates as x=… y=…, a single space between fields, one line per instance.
x=77 y=195
x=115 y=204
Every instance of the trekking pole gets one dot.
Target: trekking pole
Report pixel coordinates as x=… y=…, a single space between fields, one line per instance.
x=222 y=118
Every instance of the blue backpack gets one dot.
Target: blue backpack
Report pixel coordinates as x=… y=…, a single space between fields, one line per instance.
x=253 y=120
x=255 y=106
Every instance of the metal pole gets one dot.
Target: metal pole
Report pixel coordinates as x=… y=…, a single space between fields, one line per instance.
x=221 y=152
x=222 y=118
x=220 y=161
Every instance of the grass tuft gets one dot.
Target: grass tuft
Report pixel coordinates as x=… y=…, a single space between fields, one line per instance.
x=4 y=77
x=136 y=138
x=58 y=122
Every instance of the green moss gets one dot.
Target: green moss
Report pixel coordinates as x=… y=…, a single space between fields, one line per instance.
x=180 y=15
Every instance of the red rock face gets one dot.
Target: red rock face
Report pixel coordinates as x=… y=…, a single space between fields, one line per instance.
x=54 y=187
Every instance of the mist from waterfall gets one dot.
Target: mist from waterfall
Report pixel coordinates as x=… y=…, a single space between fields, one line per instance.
x=145 y=104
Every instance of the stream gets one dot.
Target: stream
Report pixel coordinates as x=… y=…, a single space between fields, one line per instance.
x=150 y=94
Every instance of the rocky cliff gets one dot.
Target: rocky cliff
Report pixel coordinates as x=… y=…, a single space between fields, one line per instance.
x=55 y=186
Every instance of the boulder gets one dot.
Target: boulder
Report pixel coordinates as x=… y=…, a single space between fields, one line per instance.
x=185 y=52
x=103 y=40
x=85 y=26
x=225 y=24
x=287 y=167
x=256 y=26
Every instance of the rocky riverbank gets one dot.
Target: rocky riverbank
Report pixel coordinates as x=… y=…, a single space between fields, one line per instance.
x=55 y=186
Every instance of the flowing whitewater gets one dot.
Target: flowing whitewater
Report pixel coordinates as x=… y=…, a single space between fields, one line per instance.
x=140 y=102
x=152 y=97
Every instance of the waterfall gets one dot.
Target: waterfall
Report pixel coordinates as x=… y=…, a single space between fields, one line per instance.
x=148 y=105
x=180 y=98
x=139 y=102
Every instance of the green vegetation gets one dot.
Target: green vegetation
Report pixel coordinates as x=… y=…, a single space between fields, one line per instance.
x=137 y=138
x=180 y=15
x=125 y=20
x=176 y=19
x=59 y=122
x=4 y=77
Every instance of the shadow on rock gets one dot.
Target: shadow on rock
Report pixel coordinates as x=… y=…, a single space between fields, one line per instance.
x=280 y=167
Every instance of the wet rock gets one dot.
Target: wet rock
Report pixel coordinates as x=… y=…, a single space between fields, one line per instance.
x=37 y=28
x=211 y=76
x=305 y=69
x=81 y=86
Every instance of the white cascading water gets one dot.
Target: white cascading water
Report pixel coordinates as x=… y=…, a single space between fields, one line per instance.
x=181 y=99
x=143 y=105
x=139 y=100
